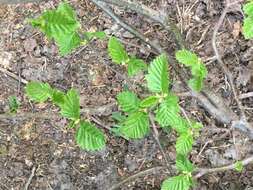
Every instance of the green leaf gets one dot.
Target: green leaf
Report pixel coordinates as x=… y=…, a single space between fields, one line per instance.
x=198 y=69
x=128 y=101
x=71 y=106
x=182 y=125
x=136 y=126
x=239 y=166
x=167 y=112
x=115 y=130
x=135 y=65
x=167 y=115
x=68 y=42
x=247 y=28
x=37 y=91
x=197 y=125
x=13 y=104
x=184 y=143
x=149 y=102
x=117 y=116
x=117 y=52
x=157 y=77
x=61 y=25
x=72 y=124
x=57 y=97
x=187 y=57
x=183 y=164
x=181 y=182
x=90 y=35
x=196 y=84
x=90 y=138
x=248 y=8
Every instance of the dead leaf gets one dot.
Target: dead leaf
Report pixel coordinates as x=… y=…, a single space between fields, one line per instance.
x=236 y=29
x=5 y=58
x=27 y=131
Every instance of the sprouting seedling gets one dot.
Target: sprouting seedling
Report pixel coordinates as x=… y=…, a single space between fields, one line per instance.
x=247 y=28
x=198 y=69
x=239 y=166
x=88 y=136
x=14 y=104
x=62 y=26
x=119 y=55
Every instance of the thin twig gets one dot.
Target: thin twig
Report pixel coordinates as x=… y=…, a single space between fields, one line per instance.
x=156 y=136
x=139 y=8
x=12 y=75
x=246 y=95
x=204 y=171
x=186 y=116
x=157 y=16
x=219 y=59
x=139 y=174
x=98 y=122
x=30 y=178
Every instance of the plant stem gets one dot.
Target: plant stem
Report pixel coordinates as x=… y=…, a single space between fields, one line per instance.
x=156 y=136
x=204 y=171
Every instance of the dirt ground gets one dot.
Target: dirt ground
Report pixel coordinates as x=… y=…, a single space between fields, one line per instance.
x=44 y=149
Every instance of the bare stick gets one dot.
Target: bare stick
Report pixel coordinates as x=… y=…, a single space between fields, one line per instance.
x=204 y=171
x=154 y=15
x=246 y=95
x=139 y=174
x=30 y=178
x=139 y=8
x=12 y=75
x=219 y=59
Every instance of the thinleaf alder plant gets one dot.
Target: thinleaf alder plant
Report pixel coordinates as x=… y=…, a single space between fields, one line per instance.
x=134 y=117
